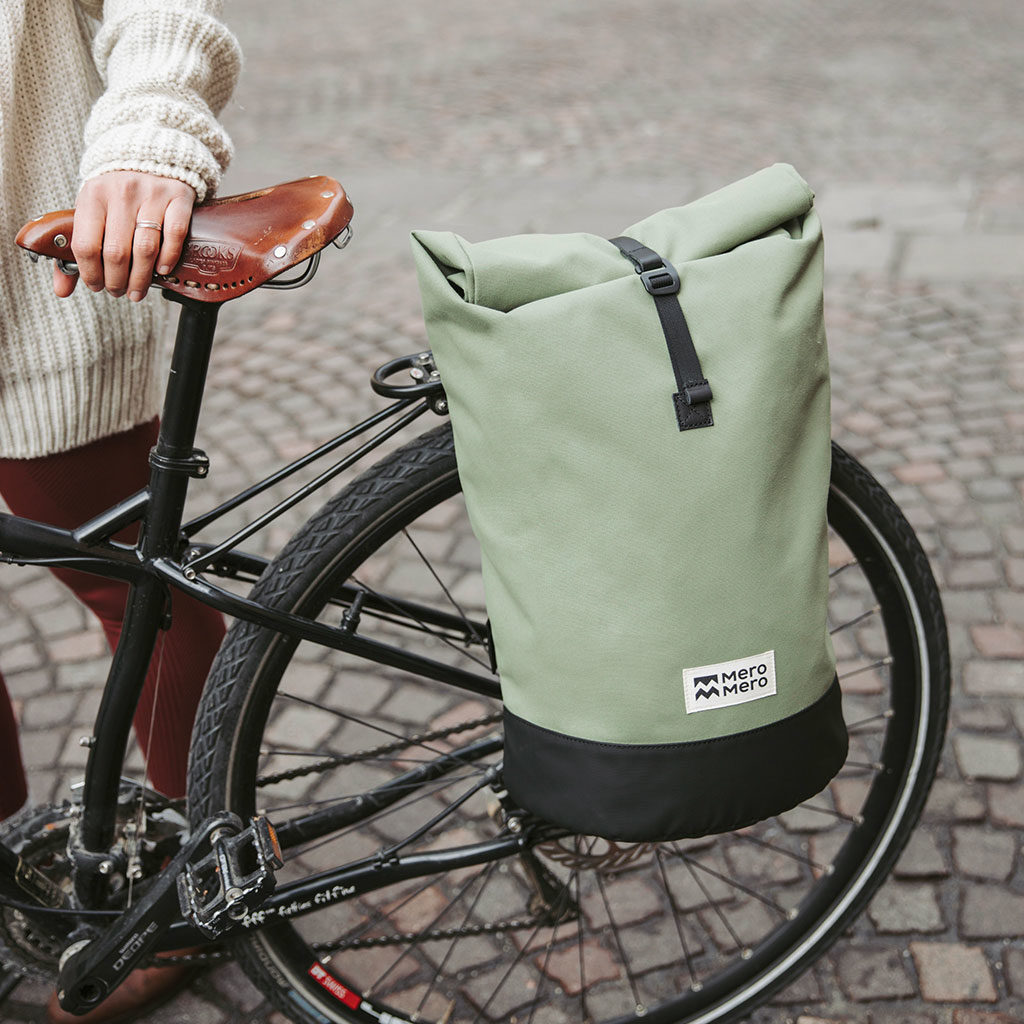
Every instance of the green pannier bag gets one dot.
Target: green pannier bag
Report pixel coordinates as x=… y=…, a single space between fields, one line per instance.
x=642 y=434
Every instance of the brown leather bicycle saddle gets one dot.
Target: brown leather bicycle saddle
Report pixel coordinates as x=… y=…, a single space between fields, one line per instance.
x=234 y=244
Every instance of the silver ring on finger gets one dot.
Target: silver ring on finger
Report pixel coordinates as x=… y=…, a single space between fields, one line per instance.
x=152 y=224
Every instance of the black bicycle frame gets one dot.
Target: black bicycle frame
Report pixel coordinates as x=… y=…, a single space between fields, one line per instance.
x=154 y=567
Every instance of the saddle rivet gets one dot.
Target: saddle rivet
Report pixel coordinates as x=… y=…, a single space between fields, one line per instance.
x=307 y=224
x=327 y=195
x=280 y=252
x=60 y=241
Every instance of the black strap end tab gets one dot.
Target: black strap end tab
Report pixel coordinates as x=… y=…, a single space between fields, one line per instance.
x=690 y=415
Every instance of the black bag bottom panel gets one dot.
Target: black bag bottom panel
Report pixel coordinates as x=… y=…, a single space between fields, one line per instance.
x=638 y=793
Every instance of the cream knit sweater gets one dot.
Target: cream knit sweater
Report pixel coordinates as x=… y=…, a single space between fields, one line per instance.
x=88 y=86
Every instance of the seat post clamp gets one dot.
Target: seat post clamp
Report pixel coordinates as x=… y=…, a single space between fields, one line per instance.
x=196 y=464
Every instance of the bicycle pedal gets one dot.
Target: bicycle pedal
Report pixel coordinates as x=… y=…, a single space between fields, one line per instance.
x=97 y=963
x=232 y=880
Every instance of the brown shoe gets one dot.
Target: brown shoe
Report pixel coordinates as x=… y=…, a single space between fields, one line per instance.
x=143 y=990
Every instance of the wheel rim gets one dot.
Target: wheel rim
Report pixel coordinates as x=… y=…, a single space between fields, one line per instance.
x=719 y=911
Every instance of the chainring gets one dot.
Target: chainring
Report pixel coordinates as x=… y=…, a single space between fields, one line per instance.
x=39 y=836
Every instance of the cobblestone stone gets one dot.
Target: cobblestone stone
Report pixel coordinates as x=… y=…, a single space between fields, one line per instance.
x=902 y=909
x=1010 y=606
x=967 y=605
x=955 y=801
x=962 y=1016
x=889 y=1015
x=988 y=912
x=998 y=641
x=994 y=678
x=187 y=1007
x=866 y=974
x=804 y=1019
x=806 y=989
x=1013 y=966
x=49 y=709
x=41 y=748
x=986 y=757
x=1007 y=805
x=985 y=853
x=78 y=647
x=920 y=472
x=982 y=717
x=1014 y=569
x=976 y=572
x=953 y=973
x=922 y=858
x=990 y=489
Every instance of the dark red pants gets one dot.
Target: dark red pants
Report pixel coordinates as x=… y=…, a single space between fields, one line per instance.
x=66 y=490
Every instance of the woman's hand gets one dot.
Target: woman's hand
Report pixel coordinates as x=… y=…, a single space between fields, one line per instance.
x=127 y=225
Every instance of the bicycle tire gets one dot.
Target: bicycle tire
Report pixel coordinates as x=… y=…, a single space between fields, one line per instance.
x=745 y=913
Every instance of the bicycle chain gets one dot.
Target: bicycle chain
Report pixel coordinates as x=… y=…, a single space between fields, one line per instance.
x=387 y=748
x=221 y=956
x=381 y=941
x=439 y=934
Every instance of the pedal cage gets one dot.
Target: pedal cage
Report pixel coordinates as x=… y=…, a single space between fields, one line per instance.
x=232 y=880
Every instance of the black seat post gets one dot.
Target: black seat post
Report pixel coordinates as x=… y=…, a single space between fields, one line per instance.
x=174 y=460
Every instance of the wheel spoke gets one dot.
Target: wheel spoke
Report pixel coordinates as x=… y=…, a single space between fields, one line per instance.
x=484 y=878
x=684 y=945
x=426 y=930
x=874 y=720
x=781 y=850
x=711 y=901
x=442 y=637
x=856 y=620
x=444 y=588
x=881 y=663
x=732 y=883
x=617 y=937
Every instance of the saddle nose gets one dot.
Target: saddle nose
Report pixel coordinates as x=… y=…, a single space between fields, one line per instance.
x=234 y=244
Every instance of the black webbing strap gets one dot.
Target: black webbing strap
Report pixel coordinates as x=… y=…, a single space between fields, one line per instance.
x=693 y=400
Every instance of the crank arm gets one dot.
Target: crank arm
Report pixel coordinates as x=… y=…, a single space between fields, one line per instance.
x=90 y=970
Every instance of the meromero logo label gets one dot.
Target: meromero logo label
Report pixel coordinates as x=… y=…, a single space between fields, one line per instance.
x=728 y=683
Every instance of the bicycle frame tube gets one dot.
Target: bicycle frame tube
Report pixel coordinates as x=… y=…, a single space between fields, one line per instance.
x=173 y=461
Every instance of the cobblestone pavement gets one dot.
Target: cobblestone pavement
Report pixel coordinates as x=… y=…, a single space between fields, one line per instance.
x=588 y=114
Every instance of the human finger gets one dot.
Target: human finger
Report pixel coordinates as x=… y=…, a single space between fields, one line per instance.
x=146 y=243
x=87 y=235
x=118 y=241
x=167 y=205
x=177 y=218
x=63 y=284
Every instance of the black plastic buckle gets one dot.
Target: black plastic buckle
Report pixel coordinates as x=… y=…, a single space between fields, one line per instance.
x=661 y=280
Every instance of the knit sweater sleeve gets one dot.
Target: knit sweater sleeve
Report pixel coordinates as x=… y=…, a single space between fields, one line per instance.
x=168 y=67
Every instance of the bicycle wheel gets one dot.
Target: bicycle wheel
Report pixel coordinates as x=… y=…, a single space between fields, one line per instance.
x=440 y=916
